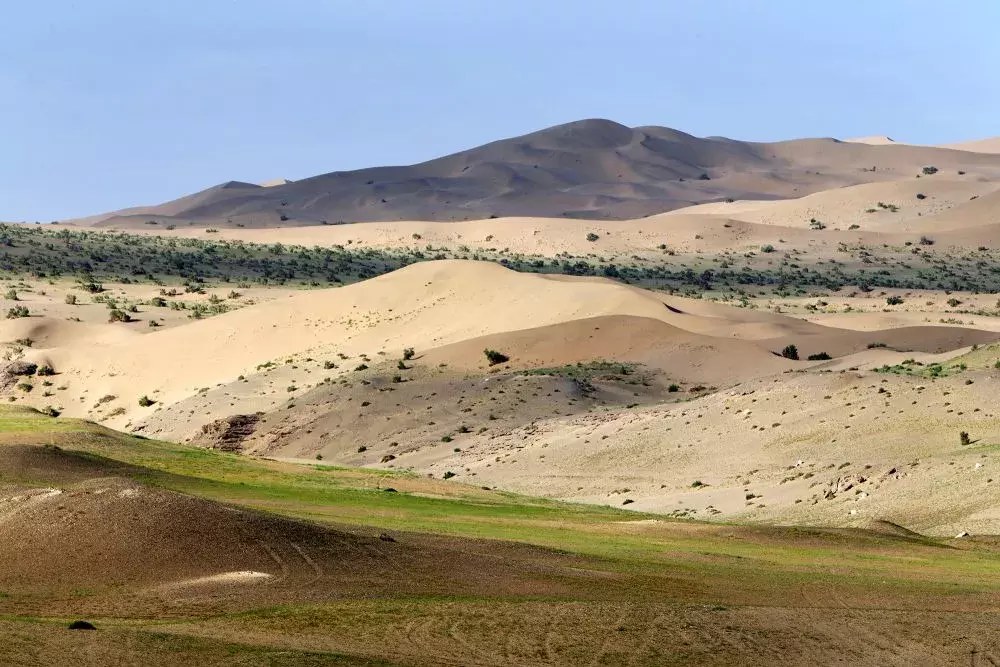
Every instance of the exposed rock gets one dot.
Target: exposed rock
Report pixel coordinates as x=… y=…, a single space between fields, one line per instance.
x=11 y=372
x=227 y=434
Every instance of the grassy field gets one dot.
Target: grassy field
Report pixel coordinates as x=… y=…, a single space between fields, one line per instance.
x=634 y=577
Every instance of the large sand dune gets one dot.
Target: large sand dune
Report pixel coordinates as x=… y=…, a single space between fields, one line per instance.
x=586 y=169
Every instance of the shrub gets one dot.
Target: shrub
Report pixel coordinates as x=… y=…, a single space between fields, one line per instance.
x=118 y=315
x=329 y=364
x=45 y=370
x=822 y=356
x=446 y=438
x=591 y=236
x=145 y=401
x=408 y=354
x=767 y=248
x=954 y=302
x=70 y=299
x=673 y=388
x=25 y=387
x=495 y=357
x=790 y=352
x=362 y=449
x=17 y=311
x=929 y=170
x=401 y=365
x=963 y=438
x=926 y=241
x=81 y=625
x=448 y=475
x=894 y=300
x=11 y=294
x=921 y=195
x=361 y=367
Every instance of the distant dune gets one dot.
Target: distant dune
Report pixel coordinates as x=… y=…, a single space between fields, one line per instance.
x=592 y=169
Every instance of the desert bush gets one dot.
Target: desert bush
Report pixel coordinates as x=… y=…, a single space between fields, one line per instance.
x=145 y=401
x=673 y=388
x=495 y=357
x=822 y=356
x=70 y=299
x=11 y=295
x=963 y=438
x=45 y=369
x=408 y=353
x=448 y=475
x=894 y=300
x=118 y=315
x=18 y=311
x=591 y=236
x=790 y=352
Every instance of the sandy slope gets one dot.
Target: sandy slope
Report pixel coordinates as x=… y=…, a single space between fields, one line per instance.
x=425 y=306
x=991 y=145
x=926 y=204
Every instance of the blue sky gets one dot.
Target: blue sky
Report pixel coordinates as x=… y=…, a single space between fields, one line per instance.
x=112 y=103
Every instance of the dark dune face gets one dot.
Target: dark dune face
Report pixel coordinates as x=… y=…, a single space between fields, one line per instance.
x=592 y=169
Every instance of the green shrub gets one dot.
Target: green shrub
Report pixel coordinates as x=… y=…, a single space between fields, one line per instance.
x=894 y=300
x=592 y=237
x=822 y=356
x=145 y=401
x=790 y=352
x=495 y=357
x=17 y=311
x=70 y=299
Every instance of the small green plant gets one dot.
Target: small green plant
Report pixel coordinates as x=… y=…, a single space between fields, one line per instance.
x=592 y=237
x=894 y=300
x=45 y=369
x=963 y=438
x=495 y=357
x=448 y=475
x=408 y=354
x=821 y=356
x=11 y=294
x=70 y=299
x=18 y=311
x=790 y=352
x=145 y=401
x=674 y=388
x=361 y=367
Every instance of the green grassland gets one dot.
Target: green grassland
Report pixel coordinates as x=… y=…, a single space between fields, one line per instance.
x=644 y=568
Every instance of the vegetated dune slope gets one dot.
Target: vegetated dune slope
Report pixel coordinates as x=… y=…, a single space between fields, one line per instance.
x=809 y=448
x=426 y=305
x=585 y=169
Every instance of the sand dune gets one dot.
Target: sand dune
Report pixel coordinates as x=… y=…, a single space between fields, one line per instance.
x=927 y=204
x=991 y=145
x=426 y=305
x=594 y=168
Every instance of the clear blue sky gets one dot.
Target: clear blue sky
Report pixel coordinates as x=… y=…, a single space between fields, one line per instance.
x=111 y=103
